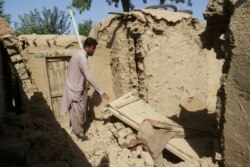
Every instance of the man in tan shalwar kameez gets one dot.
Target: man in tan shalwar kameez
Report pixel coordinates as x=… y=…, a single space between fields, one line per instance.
x=75 y=89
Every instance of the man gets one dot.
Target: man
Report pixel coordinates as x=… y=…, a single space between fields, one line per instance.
x=75 y=89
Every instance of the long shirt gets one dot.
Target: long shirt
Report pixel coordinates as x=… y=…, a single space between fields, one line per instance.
x=78 y=75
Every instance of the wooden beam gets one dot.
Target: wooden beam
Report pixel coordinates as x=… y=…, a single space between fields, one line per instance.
x=133 y=112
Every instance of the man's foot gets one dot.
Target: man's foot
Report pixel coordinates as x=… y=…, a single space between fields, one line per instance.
x=82 y=137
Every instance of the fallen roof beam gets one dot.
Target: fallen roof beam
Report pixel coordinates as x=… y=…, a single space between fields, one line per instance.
x=132 y=111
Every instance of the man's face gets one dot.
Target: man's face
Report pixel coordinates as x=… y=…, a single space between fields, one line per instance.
x=90 y=50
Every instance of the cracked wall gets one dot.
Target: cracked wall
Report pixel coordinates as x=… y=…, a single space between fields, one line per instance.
x=159 y=54
x=228 y=25
x=237 y=113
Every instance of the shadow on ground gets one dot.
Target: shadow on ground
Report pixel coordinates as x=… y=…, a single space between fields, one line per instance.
x=200 y=130
x=30 y=136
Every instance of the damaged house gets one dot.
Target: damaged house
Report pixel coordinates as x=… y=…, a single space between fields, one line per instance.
x=180 y=71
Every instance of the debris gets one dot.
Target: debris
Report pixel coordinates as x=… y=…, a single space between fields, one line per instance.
x=137 y=110
x=147 y=158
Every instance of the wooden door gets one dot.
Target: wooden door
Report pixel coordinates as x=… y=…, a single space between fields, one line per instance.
x=56 y=71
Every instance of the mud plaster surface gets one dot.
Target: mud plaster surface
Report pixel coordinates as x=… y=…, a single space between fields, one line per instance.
x=159 y=55
x=237 y=151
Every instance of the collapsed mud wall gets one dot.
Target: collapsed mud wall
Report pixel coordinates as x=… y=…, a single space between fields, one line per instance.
x=16 y=77
x=237 y=115
x=159 y=54
x=229 y=20
x=19 y=67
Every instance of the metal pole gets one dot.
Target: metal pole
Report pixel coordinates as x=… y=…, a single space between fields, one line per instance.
x=75 y=28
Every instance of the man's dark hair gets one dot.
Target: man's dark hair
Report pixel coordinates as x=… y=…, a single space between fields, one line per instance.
x=90 y=42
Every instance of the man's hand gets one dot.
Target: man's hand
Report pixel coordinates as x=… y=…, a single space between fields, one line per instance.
x=105 y=96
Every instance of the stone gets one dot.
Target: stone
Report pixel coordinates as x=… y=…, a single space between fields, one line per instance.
x=119 y=125
x=27 y=83
x=139 y=163
x=112 y=154
x=134 y=154
x=147 y=158
x=109 y=134
x=24 y=76
x=16 y=58
x=115 y=132
x=99 y=153
x=132 y=161
x=139 y=149
x=218 y=156
x=124 y=155
x=131 y=136
x=122 y=133
x=109 y=125
x=122 y=142
x=10 y=41
x=106 y=115
x=12 y=51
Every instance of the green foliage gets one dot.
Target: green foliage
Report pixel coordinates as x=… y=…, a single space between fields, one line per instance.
x=47 y=22
x=127 y=5
x=81 y=5
x=116 y=2
x=2 y=14
x=85 y=27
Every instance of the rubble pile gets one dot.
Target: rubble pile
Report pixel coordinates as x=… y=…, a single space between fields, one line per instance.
x=107 y=146
x=29 y=140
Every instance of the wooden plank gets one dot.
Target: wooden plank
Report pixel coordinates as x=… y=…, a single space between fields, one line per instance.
x=124 y=118
x=135 y=111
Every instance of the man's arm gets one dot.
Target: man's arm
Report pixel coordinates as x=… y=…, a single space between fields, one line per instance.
x=86 y=72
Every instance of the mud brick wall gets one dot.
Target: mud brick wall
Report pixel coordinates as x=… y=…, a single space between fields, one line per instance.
x=159 y=54
x=14 y=49
x=5 y=29
x=237 y=89
x=228 y=28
